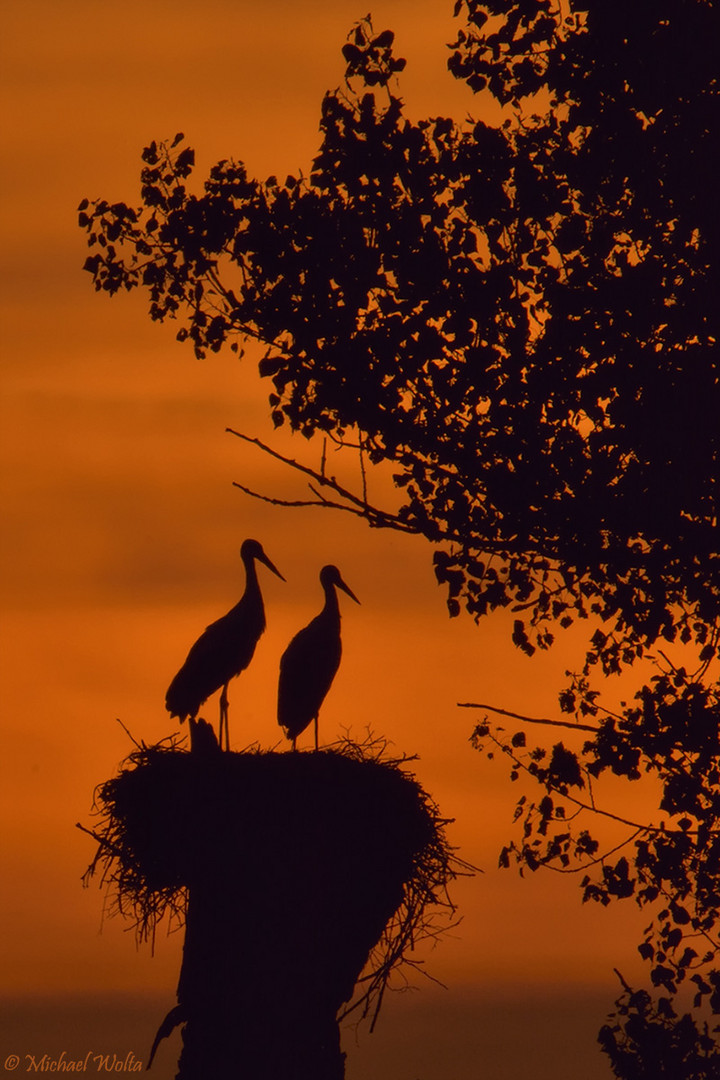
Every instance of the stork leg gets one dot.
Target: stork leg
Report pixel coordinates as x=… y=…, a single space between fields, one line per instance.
x=316 y=732
x=224 y=726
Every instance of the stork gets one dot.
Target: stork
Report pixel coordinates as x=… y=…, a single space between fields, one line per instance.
x=309 y=664
x=224 y=649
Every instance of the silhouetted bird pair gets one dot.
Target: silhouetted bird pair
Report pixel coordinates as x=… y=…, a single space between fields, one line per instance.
x=226 y=647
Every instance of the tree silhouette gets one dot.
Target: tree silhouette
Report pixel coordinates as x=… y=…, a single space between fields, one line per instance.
x=652 y=1043
x=523 y=320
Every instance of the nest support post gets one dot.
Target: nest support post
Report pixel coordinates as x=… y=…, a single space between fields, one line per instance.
x=256 y=1004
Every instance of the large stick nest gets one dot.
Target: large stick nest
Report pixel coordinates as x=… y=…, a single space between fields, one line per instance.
x=341 y=845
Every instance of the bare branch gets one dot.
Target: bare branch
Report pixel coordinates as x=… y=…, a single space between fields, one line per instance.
x=372 y=514
x=298 y=502
x=129 y=734
x=574 y=726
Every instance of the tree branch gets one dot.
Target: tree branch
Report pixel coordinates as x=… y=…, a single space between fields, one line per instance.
x=298 y=502
x=529 y=719
x=600 y=858
x=372 y=514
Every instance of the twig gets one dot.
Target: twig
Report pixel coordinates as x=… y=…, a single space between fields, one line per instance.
x=130 y=736
x=549 y=786
x=297 y=502
x=529 y=719
x=101 y=840
x=358 y=506
x=600 y=858
x=362 y=473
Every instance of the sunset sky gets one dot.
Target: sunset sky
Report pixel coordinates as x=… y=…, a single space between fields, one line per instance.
x=120 y=541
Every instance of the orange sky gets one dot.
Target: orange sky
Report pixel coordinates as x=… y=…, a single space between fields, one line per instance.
x=121 y=528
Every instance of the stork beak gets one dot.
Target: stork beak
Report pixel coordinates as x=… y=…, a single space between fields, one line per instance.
x=271 y=566
x=346 y=588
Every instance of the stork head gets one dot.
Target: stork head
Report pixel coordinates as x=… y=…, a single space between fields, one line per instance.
x=330 y=575
x=253 y=549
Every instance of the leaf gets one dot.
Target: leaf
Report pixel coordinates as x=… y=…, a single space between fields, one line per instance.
x=352 y=53
x=150 y=154
x=185 y=162
x=384 y=40
x=662 y=975
x=564 y=768
x=679 y=914
x=520 y=638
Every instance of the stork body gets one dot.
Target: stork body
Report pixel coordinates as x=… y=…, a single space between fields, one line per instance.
x=223 y=650
x=309 y=663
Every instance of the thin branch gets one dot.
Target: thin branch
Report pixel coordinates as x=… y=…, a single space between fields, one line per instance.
x=594 y=862
x=362 y=472
x=342 y=444
x=326 y=502
x=562 y=587
x=101 y=840
x=246 y=329
x=329 y=481
x=372 y=514
x=549 y=786
x=129 y=734
x=529 y=719
x=298 y=502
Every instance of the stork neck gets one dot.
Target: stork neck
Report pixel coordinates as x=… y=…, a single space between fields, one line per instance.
x=332 y=606
x=252 y=586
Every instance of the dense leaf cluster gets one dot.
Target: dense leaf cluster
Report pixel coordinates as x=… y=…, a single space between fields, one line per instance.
x=648 y=1040
x=522 y=320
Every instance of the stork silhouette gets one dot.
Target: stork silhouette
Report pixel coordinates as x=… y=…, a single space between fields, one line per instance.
x=223 y=650
x=309 y=664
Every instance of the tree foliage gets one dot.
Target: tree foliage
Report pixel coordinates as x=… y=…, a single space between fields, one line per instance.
x=669 y=866
x=523 y=320
x=649 y=1041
